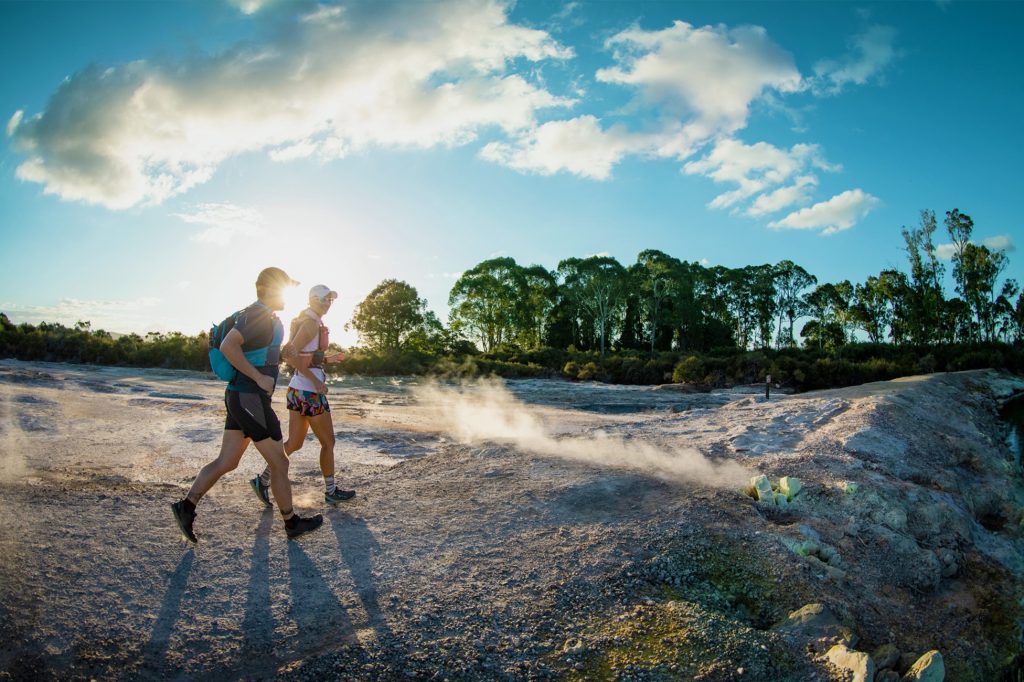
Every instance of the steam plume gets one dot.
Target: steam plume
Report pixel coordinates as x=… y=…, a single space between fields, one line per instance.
x=485 y=411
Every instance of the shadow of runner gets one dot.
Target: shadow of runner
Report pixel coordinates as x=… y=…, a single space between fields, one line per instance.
x=357 y=543
x=258 y=624
x=321 y=619
x=155 y=651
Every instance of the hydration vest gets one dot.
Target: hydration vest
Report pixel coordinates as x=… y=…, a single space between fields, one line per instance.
x=258 y=357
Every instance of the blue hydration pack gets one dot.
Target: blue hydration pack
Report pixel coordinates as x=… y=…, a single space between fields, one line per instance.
x=258 y=357
x=218 y=363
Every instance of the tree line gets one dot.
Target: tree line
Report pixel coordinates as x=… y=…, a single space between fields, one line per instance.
x=658 y=319
x=662 y=303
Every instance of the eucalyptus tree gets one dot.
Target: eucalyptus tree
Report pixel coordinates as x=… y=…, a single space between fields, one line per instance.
x=925 y=297
x=711 y=295
x=658 y=277
x=751 y=299
x=487 y=302
x=1008 y=327
x=597 y=287
x=870 y=309
x=959 y=226
x=979 y=270
x=790 y=281
x=538 y=298
x=894 y=288
x=827 y=305
x=389 y=315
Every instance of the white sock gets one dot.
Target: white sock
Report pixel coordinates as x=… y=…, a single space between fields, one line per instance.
x=329 y=484
x=265 y=477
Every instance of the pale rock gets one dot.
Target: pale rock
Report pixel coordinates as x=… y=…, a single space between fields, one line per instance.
x=815 y=624
x=895 y=518
x=763 y=486
x=856 y=663
x=790 y=486
x=781 y=500
x=928 y=668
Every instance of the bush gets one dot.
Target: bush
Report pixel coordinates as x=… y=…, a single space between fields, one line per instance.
x=689 y=371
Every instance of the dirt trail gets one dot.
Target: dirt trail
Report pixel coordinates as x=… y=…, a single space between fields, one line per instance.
x=481 y=559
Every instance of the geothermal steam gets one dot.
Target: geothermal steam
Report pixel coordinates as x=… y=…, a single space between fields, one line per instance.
x=486 y=411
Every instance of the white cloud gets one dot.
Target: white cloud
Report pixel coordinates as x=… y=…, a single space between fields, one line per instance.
x=113 y=316
x=945 y=251
x=797 y=193
x=697 y=83
x=756 y=168
x=870 y=52
x=578 y=145
x=223 y=222
x=709 y=75
x=14 y=122
x=250 y=6
x=1002 y=242
x=839 y=213
x=405 y=75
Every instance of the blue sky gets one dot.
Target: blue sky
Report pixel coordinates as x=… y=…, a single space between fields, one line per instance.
x=158 y=155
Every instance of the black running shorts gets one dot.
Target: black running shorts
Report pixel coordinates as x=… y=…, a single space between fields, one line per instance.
x=251 y=414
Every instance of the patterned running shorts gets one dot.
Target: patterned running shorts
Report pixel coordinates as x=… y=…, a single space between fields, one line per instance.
x=307 y=403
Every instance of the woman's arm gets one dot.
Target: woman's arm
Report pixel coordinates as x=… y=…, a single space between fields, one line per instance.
x=306 y=332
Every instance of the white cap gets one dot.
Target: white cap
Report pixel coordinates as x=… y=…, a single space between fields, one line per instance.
x=322 y=293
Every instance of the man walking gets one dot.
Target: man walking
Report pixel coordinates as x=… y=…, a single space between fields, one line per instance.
x=257 y=332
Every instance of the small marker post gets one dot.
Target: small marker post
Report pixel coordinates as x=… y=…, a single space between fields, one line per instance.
x=767 y=386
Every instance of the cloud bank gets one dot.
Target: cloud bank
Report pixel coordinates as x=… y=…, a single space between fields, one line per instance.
x=337 y=81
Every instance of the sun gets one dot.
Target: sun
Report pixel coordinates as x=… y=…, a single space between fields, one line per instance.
x=296 y=299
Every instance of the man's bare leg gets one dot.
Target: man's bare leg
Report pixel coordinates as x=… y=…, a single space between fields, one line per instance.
x=232 y=446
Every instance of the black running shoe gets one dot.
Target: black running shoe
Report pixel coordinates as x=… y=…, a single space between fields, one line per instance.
x=300 y=525
x=339 y=495
x=184 y=517
x=262 y=491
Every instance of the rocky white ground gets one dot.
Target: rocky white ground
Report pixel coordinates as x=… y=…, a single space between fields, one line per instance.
x=534 y=529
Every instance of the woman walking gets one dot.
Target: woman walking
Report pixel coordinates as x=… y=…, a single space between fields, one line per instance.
x=307 y=393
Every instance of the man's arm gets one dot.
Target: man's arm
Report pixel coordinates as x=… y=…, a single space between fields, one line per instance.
x=231 y=347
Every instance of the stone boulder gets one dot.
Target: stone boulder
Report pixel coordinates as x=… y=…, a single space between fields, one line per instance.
x=928 y=668
x=816 y=625
x=852 y=663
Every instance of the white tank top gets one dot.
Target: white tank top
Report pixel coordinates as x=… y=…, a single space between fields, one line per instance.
x=298 y=381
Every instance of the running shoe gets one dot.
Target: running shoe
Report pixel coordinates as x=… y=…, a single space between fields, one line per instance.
x=339 y=495
x=262 y=491
x=184 y=517
x=300 y=525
